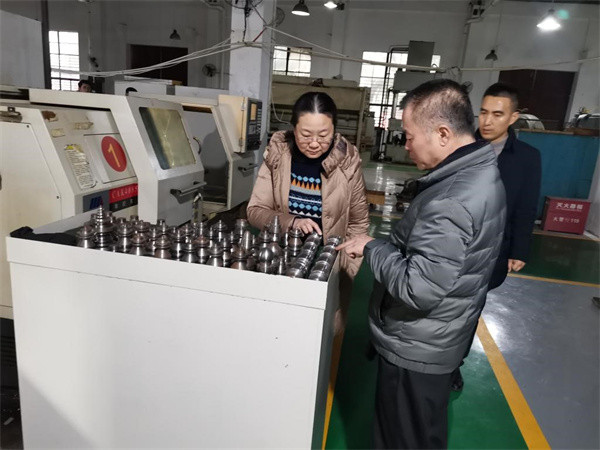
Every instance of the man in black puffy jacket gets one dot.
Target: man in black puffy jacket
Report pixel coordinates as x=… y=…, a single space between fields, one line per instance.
x=432 y=275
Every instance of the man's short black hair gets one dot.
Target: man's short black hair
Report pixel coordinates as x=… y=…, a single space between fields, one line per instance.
x=88 y=82
x=506 y=91
x=441 y=101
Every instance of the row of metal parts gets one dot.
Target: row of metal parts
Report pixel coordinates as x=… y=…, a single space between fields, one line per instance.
x=272 y=251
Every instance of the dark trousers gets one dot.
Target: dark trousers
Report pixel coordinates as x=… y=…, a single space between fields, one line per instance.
x=411 y=408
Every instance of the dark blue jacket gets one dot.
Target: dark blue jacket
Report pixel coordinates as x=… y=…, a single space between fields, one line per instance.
x=520 y=168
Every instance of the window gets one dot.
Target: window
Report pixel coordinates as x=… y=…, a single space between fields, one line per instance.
x=293 y=61
x=64 y=55
x=376 y=78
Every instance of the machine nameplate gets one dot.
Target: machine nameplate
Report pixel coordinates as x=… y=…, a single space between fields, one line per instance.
x=117 y=199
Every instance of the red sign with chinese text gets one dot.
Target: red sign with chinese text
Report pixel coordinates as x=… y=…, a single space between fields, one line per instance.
x=567 y=215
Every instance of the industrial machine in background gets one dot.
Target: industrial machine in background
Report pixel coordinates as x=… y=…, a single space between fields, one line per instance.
x=528 y=122
x=355 y=122
x=64 y=153
x=391 y=143
x=228 y=131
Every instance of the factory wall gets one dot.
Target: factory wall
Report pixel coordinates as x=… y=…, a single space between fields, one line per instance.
x=106 y=28
x=517 y=40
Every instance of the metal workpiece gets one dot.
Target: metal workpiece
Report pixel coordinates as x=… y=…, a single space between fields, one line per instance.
x=216 y=256
x=160 y=223
x=152 y=236
x=318 y=275
x=265 y=255
x=187 y=230
x=177 y=237
x=247 y=241
x=334 y=240
x=295 y=272
x=85 y=237
x=189 y=251
x=163 y=244
x=200 y=229
x=329 y=249
x=275 y=229
x=104 y=238
x=327 y=257
x=314 y=237
x=203 y=245
x=283 y=240
x=226 y=244
x=239 y=259
x=264 y=238
x=134 y=218
x=241 y=226
x=141 y=227
x=124 y=232
x=138 y=245
x=219 y=229
x=281 y=267
x=163 y=228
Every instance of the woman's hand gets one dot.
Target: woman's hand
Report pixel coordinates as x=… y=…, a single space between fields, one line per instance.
x=355 y=247
x=306 y=225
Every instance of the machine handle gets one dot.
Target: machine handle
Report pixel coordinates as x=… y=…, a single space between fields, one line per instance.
x=247 y=168
x=179 y=194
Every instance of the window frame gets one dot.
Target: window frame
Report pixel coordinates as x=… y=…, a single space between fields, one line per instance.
x=74 y=79
x=382 y=110
x=289 y=51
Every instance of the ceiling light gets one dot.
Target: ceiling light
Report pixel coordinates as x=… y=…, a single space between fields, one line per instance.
x=491 y=56
x=300 y=9
x=330 y=4
x=175 y=35
x=549 y=22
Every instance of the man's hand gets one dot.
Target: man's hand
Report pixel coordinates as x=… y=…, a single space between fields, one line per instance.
x=307 y=226
x=355 y=247
x=514 y=265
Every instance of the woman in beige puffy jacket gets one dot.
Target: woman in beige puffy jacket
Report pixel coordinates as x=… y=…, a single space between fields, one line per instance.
x=311 y=178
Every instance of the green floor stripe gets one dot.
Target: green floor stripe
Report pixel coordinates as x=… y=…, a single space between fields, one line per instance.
x=478 y=418
x=564 y=259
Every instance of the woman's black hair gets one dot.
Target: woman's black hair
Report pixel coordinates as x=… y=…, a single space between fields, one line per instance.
x=316 y=103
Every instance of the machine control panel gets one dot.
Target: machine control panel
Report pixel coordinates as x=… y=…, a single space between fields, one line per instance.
x=253 y=120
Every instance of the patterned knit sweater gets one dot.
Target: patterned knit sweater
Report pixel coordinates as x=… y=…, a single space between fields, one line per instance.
x=305 y=186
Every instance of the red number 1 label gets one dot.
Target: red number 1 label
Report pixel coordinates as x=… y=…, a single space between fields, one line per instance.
x=114 y=153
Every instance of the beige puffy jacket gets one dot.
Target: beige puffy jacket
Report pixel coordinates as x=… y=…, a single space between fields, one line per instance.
x=344 y=200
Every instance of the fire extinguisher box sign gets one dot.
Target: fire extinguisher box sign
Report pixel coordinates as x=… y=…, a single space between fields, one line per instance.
x=566 y=215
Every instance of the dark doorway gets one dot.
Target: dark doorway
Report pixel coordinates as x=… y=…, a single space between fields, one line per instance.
x=148 y=55
x=544 y=93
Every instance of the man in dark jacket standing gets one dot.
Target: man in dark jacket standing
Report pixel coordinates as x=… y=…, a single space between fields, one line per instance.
x=521 y=171
x=432 y=274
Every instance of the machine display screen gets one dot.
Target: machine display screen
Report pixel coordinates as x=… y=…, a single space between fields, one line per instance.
x=167 y=135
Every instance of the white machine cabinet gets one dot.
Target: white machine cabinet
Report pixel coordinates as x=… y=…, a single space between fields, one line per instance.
x=116 y=350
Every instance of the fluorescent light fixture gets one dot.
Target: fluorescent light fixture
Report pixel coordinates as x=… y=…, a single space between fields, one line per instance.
x=549 y=22
x=330 y=4
x=300 y=9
